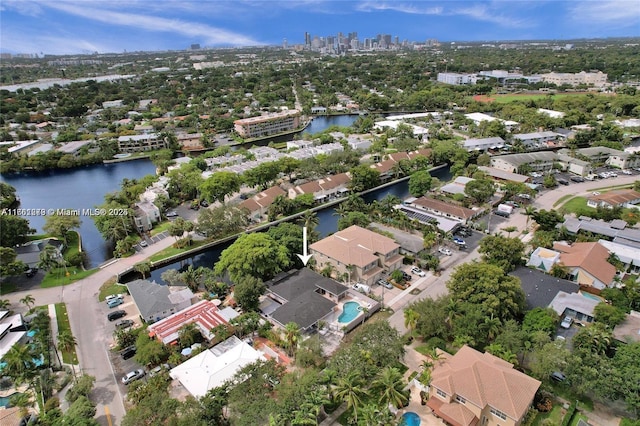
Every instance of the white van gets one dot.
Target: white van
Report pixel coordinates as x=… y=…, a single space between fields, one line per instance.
x=362 y=288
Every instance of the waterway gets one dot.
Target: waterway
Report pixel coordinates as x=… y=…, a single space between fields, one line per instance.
x=78 y=188
x=85 y=187
x=327 y=224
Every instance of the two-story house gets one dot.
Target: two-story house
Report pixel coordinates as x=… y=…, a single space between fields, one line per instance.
x=474 y=388
x=359 y=252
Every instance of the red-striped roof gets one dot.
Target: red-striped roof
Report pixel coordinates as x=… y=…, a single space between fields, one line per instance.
x=204 y=314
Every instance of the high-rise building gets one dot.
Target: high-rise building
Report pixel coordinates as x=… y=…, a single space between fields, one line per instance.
x=284 y=43
x=307 y=39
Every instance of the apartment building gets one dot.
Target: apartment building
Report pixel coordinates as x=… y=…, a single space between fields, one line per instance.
x=139 y=143
x=268 y=124
x=596 y=79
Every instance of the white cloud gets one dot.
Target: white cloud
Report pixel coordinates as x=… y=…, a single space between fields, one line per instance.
x=483 y=13
x=624 y=13
x=210 y=35
x=22 y=7
x=369 y=6
x=53 y=45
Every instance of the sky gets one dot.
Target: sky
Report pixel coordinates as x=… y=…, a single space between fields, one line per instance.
x=87 y=26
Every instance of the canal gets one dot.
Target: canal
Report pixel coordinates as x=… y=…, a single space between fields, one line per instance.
x=327 y=224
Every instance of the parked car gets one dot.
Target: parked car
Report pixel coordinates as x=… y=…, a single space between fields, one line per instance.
x=385 y=284
x=445 y=251
x=577 y=178
x=525 y=196
x=128 y=352
x=171 y=214
x=501 y=213
x=116 y=314
x=124 y=324
x=627 y=172
x=158 y=369
x=459 y=241
x=406 y=276
x=566 y=322
x=114 y=302
x=562 y=182
x=143 y=243
x=362 y=288
x=558 y=376
x=113 y=296
x=31 y=272
x=417 y=271
x=133 y=376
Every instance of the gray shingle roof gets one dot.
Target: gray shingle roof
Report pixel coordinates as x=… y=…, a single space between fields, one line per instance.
x=150 y=297
x=540 y=288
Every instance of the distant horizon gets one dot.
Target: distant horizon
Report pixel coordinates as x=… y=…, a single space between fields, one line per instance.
x=70 y=27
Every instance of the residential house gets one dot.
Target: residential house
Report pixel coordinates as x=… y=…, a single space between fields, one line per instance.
x=597 y=154
x=543 y=258
x=301 y=296
x=474 y=388
x=155 y=301
x=537 y=140
x=628 y=331
x=357 y=142
x=483 y=144
x=574 y=165
x=29 y=253
x=410 y=244
x=146 y=214
x=113 y=104
x=324 y=189
x=551 y=113
x=40 y=149
x=535 y=161
x=502 y=175
x=13 y=330
x=629 y=256
x=442 y=208
x=479 y=117
x=574 y=305
x=541 y=288
x=616 y=198
x=457 y=186
x=190 y=141
x=73 y=148
x=617 y=229
x=204 y=314
x=143 y=129
x=258 y=205
x=587 y=263
x=214 y=367
x=367 y=253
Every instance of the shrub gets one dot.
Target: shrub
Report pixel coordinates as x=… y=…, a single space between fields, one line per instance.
x=570 y=412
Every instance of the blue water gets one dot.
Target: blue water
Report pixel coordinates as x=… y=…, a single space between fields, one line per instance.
x=350 y=310
x=79 y=188
x=31 y=333
x=4 y=401
x=411 y=419
x=590 y=296
x=323 y=122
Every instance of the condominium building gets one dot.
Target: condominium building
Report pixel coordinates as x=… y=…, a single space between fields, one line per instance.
x=456 y=79
x=596 y=79
x=138 y=143
x=268 y=124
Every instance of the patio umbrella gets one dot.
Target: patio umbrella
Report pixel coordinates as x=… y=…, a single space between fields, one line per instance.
x=186 y=351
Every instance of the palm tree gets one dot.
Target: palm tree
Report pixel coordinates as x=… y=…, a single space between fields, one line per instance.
x=291 y=336
x=66 y=341
x=49 y=258
x=143 y=268
x=350 y=268
x=317 y=399
x=529 y=211
x=4 y=304
x=389 y=385
x=19 y=361
x=411 y=320
x=188 y=334
x=28 y=301
x=350 y=390
x=305 y=415
x=370 y=415
x=192 y=277
x=221 y=332
x=491 y=326
x=509 y=230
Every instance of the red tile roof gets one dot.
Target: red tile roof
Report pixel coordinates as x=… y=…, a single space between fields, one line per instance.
x=204 y=314
x=441 y=206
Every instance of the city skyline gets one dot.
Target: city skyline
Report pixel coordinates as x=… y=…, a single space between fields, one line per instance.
x=73 y=26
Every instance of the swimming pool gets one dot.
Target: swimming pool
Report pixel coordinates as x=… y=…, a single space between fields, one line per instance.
x=590 y=296
x=410 y=419
x=350 y=310
x=4 y=401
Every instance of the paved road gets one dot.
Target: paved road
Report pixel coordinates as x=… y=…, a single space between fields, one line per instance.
x=433 y=286
x=90 y=327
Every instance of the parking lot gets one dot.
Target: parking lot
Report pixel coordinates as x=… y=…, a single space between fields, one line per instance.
x=152 y=239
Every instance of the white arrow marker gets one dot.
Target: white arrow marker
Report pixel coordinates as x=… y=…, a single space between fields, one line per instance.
x=304 y=256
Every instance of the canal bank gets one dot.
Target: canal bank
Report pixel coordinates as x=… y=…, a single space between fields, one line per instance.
x=208 y=254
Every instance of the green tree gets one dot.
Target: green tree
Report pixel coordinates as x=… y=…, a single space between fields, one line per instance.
x=350 y=389
x=60 y=224
x=255 y=254
x=220 y=185
x=28 y=300
x=189 y=334
x=420 y=183
x=540 y=319
x=608 y=314
x=353 y=218
x=9 y=265
x=247 y=292
x=14 y=230
x=262 y=175
x=20 y=366
x=363 y=177
x=143 y=268
x=623 y=379
x=547 y=220
x=220 y=222
x=291 y=336
x=480 y=190
x=66 y=341
x=502 y=251
x=487 y=287
x=82 y=387
x=389 y=385
x=50 y=258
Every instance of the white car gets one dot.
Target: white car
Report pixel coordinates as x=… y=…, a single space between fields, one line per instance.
x=627 y=172
x=133 y=376
x=113 y=297
x=417 y=271
x=566 y=322
x=445 y=251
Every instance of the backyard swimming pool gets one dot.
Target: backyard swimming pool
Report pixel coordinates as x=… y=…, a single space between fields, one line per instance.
x=410 y=419
x=590 y=296
x=4 y=401
x=350 y=310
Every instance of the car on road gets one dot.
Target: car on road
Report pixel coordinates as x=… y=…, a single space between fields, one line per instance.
x=385 y=284
x=116 y=315
x=124 y=324
x=133 y=376
x=417 y=271
x=445 y=251
x=114 y=296
x=114 y=302
x=566 y=322
x=128 y=352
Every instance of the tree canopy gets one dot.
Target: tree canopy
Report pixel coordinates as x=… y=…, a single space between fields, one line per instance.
x=256 y=254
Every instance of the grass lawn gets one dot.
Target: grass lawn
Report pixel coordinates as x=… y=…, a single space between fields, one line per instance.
x=161 y=228
x=556 y=414
x=109 y=288
x=62 y=318
x=577 y=417
x=423 y=349
x=562 y=199
x=563 y=391
x=64 y=276
x=172 y=251
x=577 y=205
